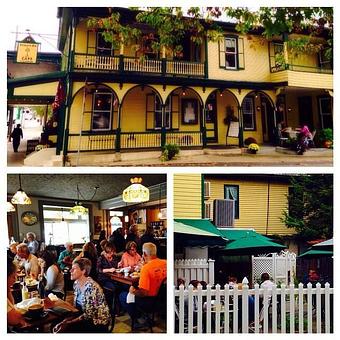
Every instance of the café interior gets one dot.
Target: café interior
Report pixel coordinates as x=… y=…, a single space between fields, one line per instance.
x=84 y=210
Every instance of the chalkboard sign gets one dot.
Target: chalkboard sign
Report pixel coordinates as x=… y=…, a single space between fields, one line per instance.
x=234 y=129
x=31 y=144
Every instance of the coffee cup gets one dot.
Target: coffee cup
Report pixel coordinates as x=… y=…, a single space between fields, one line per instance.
x=35 y=310
x=126 y=272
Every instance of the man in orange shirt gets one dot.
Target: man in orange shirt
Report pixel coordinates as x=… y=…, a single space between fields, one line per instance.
x=152 y=274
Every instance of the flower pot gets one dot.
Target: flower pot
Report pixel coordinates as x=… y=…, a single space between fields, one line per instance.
x=327 y=144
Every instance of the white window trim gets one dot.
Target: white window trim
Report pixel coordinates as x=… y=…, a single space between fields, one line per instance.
x=235 y=54
x=93 y=111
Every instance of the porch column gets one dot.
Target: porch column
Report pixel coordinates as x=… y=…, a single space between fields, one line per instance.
x=121 y=58
x=240 y=135
x=119 y=130
x=163 y=130
x=204 y=129
x=163 y=62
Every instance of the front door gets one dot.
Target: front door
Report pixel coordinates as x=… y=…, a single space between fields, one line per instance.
x=306 y=112
x=211 y=119
x=268 y=123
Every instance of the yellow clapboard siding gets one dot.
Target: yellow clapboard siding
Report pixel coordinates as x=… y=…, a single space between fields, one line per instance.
x=187 y=196
x=253 y=201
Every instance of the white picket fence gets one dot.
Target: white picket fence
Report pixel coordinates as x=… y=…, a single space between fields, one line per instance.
x=195 y=269
x=298 y=310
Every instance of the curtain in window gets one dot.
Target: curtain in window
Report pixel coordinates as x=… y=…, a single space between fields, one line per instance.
x=231 y=193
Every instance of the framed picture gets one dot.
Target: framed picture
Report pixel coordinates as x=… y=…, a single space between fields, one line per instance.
x=189 y=111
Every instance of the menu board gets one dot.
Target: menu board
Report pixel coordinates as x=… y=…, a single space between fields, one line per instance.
x=233 y=130
x=31 y=144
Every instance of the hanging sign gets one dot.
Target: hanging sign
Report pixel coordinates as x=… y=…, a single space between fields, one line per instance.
x=27 y=51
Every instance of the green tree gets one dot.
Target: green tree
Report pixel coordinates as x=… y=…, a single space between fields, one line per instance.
x=310 y=206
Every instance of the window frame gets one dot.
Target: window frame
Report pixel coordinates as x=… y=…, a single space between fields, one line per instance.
x=237 y=202
x=323 y=114
x=253 y=114
x=239 y=53
x=109 y=128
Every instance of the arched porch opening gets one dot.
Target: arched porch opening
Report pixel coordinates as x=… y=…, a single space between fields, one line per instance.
x=221 y=115
x=259 y=117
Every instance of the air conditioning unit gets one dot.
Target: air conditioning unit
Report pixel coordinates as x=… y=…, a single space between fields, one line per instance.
x=224 y=213
x=207 y=210
x=206 y=190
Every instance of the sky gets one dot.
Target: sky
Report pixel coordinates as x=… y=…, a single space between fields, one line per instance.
x=30 y=18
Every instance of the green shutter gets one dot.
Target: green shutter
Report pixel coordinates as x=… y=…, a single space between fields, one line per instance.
x=221 y=48
x=150 y=111
x=240 y=47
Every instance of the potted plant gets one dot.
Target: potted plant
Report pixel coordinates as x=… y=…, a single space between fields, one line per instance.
x=326 y=137
x=169 y=151
x=253 y=148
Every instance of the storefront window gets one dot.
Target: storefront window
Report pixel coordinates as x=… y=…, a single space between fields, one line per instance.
x=102 y=108
x=248 y=114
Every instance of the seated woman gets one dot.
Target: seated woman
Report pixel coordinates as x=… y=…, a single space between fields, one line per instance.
x=90 y=300
x=53 y=275
x=90 y=252
x=14 y=317
x=130 y=258
x=107 y=263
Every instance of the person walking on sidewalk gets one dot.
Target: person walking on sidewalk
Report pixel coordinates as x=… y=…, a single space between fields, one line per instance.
x=16 y=136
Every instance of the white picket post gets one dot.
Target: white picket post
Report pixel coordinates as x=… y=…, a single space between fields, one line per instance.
x=257 y=308
x=265 y=309
x=190 y=308
x=327 y=308
x=217 y=309
x=291 y=308
x=181 y=311
x=200 y=309
x=283 y=308
x=318 y=307
x=226 y=308
x=301 y=330
x=208 y=311
x=245 y=318
x=211 y=271
x=309 y=308
x=274 y=309
x=235 y=310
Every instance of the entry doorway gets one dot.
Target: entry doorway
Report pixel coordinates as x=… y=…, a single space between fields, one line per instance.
x=268 y=120
x=306 y=112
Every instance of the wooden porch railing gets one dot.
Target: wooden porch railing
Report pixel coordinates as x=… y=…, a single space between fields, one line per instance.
x=138 y=140
x=91 y=142
x=138 y=65
x=184 y=139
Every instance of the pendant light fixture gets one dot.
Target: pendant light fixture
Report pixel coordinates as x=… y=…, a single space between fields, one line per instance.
x=136 y=192
x=78 y=208
x=20 y=196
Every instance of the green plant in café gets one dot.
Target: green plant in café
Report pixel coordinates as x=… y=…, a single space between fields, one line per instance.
x=169 y=151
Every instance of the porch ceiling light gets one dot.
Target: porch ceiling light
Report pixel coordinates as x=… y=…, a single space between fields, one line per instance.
x=136 y=192
x=10 y=207
x=20 y=196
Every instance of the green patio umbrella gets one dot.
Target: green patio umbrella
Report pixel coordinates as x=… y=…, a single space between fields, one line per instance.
x=314 y=253
x=252 y=244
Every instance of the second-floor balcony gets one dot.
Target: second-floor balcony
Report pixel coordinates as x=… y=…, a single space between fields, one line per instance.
x=163 y=67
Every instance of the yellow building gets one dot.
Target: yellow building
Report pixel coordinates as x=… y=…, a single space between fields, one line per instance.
x=238 y=201
x=215 y=94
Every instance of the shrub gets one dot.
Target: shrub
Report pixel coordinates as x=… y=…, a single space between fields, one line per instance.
x=250 y=140
x=169 y=151
x=326 y=135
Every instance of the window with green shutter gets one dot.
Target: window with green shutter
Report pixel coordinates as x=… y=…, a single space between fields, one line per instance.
x=231 y=53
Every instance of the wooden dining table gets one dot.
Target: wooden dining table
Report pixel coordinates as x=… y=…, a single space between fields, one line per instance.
x=121 y=278
x=56 y=312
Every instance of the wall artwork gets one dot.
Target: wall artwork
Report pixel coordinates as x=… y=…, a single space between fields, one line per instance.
x=189 y=111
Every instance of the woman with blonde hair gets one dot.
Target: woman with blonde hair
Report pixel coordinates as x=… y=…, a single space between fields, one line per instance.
x=130 y=257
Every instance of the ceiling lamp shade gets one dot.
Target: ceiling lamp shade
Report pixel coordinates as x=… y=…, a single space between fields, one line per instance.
x=79 y=210
x=136 y=192
x=20 y=196
x=10 y=207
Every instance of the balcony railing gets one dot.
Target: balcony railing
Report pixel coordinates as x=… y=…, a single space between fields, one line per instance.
x=140 y=140
x=183 y=139
x=299 y=68
x=90 y=141
x=130 y=64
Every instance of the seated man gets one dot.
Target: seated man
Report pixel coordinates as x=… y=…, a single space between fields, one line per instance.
x=66 y=257
x=152 y=275
x=28 y=261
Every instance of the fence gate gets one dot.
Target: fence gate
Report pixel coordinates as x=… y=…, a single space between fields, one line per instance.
x=281 y=268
